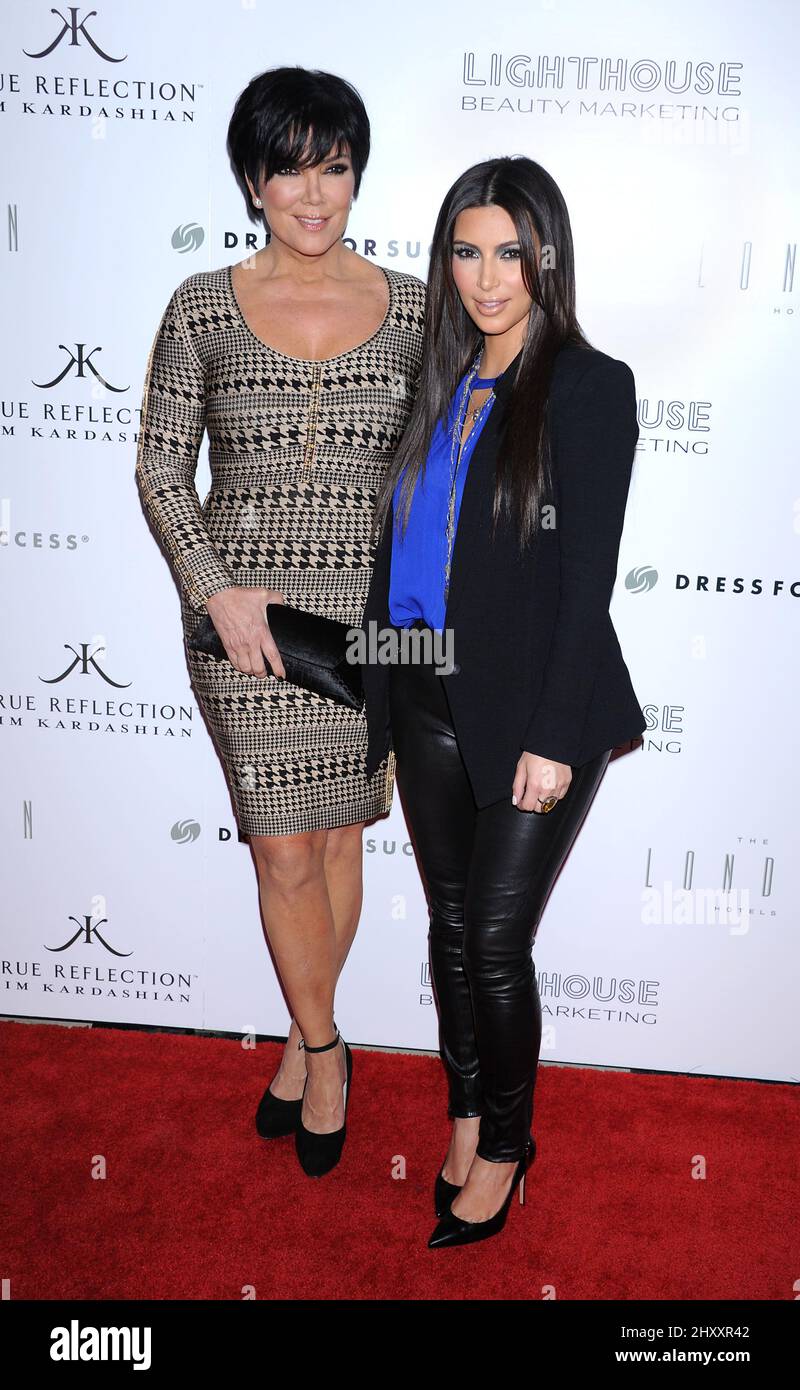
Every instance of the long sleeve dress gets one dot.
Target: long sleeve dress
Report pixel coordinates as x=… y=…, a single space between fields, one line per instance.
x=297 y=450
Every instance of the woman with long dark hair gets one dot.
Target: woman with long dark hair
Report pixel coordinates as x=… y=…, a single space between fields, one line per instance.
x=301 y=362
x=500 y=520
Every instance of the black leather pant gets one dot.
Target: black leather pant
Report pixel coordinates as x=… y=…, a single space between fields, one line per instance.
x=487 y=874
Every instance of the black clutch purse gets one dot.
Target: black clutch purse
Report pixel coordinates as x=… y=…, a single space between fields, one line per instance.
x=312 y=648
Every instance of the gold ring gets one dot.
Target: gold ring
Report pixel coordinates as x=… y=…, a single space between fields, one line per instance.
x=548 y=804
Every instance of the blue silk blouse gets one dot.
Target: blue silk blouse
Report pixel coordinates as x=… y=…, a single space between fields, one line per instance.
x=416 y=583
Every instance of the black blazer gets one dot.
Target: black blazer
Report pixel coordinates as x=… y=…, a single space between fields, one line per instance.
x=538 y=666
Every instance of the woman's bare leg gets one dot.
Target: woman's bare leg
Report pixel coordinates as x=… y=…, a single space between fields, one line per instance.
x=311 y=891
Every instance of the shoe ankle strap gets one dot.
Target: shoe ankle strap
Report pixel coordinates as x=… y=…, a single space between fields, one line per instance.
x=326 y=1047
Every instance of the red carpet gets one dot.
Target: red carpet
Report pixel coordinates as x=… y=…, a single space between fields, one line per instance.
x=195 y=1205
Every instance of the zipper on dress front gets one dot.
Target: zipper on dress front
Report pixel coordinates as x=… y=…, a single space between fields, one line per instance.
x=313 y=416
x=390 y=778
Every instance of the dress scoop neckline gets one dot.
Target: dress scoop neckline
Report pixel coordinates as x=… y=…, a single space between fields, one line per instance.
x=312 y=361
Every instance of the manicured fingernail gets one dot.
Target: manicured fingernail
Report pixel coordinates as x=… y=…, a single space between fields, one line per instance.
x=513 y=801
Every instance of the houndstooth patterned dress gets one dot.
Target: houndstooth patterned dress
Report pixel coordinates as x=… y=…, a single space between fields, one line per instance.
x=297 y=451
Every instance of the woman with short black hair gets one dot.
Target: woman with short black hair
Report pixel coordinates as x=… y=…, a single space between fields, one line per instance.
x=297 y=115
x=301 y=362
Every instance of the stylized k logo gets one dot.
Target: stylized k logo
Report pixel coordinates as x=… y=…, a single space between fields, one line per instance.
x=73 y=28
x=84 y=660
x=83 y=360
x=89 y=934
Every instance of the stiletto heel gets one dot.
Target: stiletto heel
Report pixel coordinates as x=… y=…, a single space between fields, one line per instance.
x=454 y=1230
x=319 y=1153
x=529 y=1157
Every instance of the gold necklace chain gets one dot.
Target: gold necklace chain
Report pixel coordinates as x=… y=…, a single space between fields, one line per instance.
x=455 y=439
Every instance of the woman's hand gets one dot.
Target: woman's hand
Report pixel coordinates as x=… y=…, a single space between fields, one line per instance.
x=239 y=615
x=538 y=777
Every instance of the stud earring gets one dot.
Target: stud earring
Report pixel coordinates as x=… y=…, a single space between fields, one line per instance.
x=257 y=202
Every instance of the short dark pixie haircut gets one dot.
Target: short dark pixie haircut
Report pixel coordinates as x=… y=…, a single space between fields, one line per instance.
x=277 y=113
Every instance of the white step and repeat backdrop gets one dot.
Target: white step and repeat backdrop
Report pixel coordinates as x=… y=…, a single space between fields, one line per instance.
x=670 y=940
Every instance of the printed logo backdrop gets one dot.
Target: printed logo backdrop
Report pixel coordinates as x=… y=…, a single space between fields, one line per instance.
x=670 y=939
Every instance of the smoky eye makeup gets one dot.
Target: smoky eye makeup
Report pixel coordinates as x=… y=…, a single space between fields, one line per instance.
x=466 y=253
x=338 y=166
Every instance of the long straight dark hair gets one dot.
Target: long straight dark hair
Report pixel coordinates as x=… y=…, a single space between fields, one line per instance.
x=536 y=206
